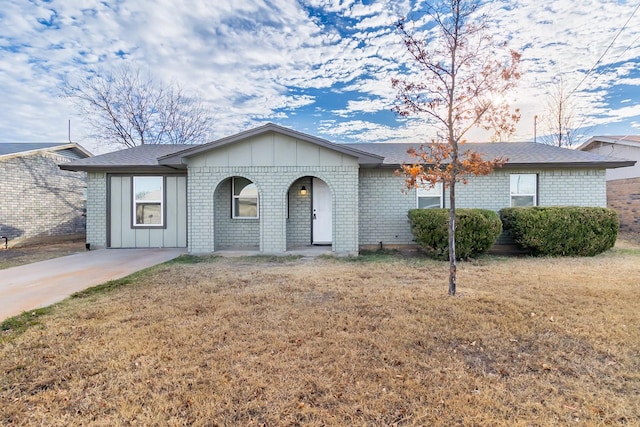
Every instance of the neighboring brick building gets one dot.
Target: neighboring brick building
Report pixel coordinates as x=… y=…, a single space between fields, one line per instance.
x=272 y=189
x=623 y=184
x=38 y=200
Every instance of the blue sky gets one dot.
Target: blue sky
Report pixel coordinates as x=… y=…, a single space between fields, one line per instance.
x=318 y=66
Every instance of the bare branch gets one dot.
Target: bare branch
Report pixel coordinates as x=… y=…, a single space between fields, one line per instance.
x=560 y=117
x=128 y=109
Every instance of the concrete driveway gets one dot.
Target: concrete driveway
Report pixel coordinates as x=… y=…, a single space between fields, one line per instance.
x=43 y=283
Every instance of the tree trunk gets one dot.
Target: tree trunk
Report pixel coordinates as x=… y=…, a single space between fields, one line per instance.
x=452 y=238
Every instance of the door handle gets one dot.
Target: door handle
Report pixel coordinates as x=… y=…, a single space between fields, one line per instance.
x=314 y=214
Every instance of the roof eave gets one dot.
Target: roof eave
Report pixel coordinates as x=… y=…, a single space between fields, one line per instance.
x=574 y=165
x=122 y=168
x=606 y=140
x=77 y=147
x=50 y=150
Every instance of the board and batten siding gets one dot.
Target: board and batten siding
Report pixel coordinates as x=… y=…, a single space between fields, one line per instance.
x=121 y=232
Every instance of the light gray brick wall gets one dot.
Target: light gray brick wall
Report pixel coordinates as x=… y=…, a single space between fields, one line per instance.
x=578 y=187
x=273 y=182
x=556 y=187
x=39 y=199
x=97 y=209
x=363 y=214
x=384 y=206
x=299 y=221
x=230 y=232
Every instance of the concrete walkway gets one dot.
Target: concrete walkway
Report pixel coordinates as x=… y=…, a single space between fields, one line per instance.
x=40 y=284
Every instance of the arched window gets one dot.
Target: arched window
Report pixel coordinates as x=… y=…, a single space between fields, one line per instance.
x=244 y=200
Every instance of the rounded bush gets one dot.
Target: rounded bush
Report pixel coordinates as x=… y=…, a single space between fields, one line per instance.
x=476 y=231
x=562 y=231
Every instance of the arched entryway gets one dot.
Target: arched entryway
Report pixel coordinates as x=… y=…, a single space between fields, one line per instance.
x=237 y=214
x=309 y=213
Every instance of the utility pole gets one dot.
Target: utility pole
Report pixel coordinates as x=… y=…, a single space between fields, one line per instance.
x=535 y=126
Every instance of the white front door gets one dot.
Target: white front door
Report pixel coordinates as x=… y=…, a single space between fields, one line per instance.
x=322 y=211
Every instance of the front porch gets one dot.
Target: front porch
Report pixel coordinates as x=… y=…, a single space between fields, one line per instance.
x=258 y=214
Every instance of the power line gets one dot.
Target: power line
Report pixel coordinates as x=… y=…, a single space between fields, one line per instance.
x=606 y=50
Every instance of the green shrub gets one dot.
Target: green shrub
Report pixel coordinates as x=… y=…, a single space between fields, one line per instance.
x=562 y=231
x=476 y=231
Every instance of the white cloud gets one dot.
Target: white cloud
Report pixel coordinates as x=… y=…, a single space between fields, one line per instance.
x=245 y=57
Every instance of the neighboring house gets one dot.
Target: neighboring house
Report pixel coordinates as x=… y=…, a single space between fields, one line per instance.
x=39 y=200
x=274 y=189
x=623 y=184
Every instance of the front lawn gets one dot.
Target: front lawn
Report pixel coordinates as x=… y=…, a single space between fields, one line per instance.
x=335 y=342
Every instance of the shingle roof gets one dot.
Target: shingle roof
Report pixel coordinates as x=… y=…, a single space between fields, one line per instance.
x=143 y=156
x=516 y=153
x=519 y=154
x=67 y=149
x=19 y=147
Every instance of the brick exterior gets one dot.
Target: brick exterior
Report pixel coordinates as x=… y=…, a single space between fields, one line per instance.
x=369 y=205
x=299 y=221
x=556 y=187
x=273 y=183
x=97 y=209
x=383 y=208
x=623 y=195
x=40 y=200
x=233 y=233
x=384 y=205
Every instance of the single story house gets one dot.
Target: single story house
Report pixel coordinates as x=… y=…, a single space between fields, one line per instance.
x=623 y=184
x=38 y=199
x=273 y=189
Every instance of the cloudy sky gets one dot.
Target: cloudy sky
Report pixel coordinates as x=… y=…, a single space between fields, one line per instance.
x=319 y=66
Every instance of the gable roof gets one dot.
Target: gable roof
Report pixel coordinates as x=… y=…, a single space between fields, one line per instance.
x=16 y=149
x=364 y=157
x=140 y=158
x=518 y=154
x=629 y=140
x=169 y=157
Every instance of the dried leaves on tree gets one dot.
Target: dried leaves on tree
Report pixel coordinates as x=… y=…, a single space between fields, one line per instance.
x=458 y=79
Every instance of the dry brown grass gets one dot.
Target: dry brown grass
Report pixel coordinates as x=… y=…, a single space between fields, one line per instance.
x=251 y=342
x=21 y=255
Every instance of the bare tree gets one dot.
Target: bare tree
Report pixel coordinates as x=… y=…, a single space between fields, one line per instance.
x=559 y=118
x=128 y=109
x=460 y=83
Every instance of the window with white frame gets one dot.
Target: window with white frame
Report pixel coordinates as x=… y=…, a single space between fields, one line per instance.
x=148 y=201
x=244 y=198
x=428 y=198
x=524 y=189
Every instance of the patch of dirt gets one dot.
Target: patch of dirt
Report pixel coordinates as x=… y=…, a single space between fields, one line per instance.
x=27 y=254
x=628 y=240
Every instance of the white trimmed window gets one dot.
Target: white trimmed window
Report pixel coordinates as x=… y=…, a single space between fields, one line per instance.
x=148 y=201
x=524 y=189
x=428 y=198
x=244 y=198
